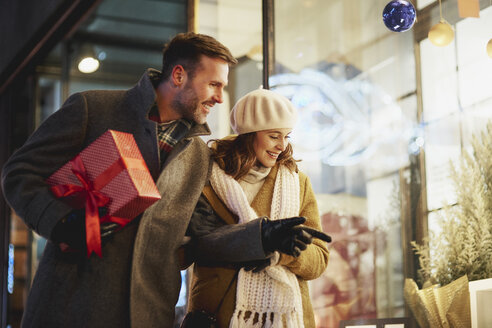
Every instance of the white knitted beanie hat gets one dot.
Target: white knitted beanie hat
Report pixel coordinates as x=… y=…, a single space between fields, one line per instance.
x=262 y=110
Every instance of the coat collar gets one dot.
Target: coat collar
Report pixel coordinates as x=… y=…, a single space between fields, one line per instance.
x=143 y=93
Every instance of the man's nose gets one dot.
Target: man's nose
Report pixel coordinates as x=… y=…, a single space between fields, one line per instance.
x=219 y=96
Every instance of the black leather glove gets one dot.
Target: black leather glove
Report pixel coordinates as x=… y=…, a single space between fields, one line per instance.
x=317 y=234
x=280 y=235
x=71 y=229
x=286 y=236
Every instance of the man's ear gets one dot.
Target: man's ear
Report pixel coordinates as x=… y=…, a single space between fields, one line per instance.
x=178 y=75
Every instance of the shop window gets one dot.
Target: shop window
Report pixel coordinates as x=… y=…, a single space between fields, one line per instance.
x=456 y=104
x=354 y=84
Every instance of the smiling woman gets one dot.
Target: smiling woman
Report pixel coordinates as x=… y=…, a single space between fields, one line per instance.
x=263 y=121
x=256 y=188
x=269 y=144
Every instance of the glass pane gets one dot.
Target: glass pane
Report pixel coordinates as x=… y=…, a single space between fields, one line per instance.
x=439 y=80
x=456 y=105
x=238 y=25
x=456 y=101
x=19 y=275
x=353 y=82
x=475 y=119
x=50 y=97
x=442 y=147
x=435 y=227
x=473 y=62
x=423 y=3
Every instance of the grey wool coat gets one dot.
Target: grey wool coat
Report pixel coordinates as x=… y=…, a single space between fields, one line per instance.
x=136 y=282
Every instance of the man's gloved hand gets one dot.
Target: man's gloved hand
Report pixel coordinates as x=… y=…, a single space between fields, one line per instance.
x=70 y=230
x=107 y=230
x=286 y=236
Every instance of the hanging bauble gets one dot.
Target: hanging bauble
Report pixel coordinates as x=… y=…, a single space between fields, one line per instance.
x=441 y=34
x=489 y=48
x=399 y=15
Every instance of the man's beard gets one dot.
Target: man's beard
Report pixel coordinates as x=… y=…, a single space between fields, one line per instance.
x=186 y=104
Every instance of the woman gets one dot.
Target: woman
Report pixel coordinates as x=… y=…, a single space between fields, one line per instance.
x=254 y=175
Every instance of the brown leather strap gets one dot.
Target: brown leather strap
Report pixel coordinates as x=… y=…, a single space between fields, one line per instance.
x=219 y=206
x=221 y=209
x=225 y=293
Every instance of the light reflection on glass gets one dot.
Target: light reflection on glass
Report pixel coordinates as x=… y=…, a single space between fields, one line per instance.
x=10 y=272
x=344 y=118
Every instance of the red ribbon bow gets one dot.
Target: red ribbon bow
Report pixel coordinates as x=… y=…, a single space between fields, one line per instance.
x=93 y=199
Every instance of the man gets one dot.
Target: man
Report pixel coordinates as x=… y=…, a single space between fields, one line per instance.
x=136 y=282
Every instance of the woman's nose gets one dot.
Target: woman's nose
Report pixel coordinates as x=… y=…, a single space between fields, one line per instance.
x=282 y=144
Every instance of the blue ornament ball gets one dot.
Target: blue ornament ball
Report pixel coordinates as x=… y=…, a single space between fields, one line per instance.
x=399 y=15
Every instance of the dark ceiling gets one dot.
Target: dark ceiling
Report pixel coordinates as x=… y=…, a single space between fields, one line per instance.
x=128 y=35
x=144 y=24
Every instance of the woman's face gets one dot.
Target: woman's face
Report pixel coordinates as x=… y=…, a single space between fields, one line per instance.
x=268 y=145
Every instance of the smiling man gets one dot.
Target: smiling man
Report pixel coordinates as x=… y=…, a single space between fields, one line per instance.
x=191 y=94
x=136 y=282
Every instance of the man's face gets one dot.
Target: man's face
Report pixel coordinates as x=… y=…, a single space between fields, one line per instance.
x=202 y=92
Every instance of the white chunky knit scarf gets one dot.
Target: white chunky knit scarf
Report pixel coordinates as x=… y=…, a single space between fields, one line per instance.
x=272 y=295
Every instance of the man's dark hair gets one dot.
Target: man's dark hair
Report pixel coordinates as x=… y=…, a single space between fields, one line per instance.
x=186 y=49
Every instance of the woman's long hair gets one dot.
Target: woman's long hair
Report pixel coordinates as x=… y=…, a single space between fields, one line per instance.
x=236 y=155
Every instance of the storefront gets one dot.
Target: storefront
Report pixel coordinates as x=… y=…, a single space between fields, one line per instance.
x=385 y=116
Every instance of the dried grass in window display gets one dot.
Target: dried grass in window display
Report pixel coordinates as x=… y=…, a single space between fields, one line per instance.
x=464 y=245
x=462 y=250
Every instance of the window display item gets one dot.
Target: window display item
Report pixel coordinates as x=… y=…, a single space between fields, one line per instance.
x=481 y=302
x=441 y=34
x=435 y=307
x=399 y=15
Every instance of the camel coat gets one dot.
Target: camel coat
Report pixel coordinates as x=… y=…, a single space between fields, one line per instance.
x=209 y=284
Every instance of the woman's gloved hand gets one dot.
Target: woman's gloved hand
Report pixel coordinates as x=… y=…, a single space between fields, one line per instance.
x=287 y=236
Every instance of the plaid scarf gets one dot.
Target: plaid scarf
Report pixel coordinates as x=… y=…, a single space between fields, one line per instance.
x=168 y=133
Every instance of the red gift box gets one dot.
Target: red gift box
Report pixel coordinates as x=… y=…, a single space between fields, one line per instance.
x=110 y=172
